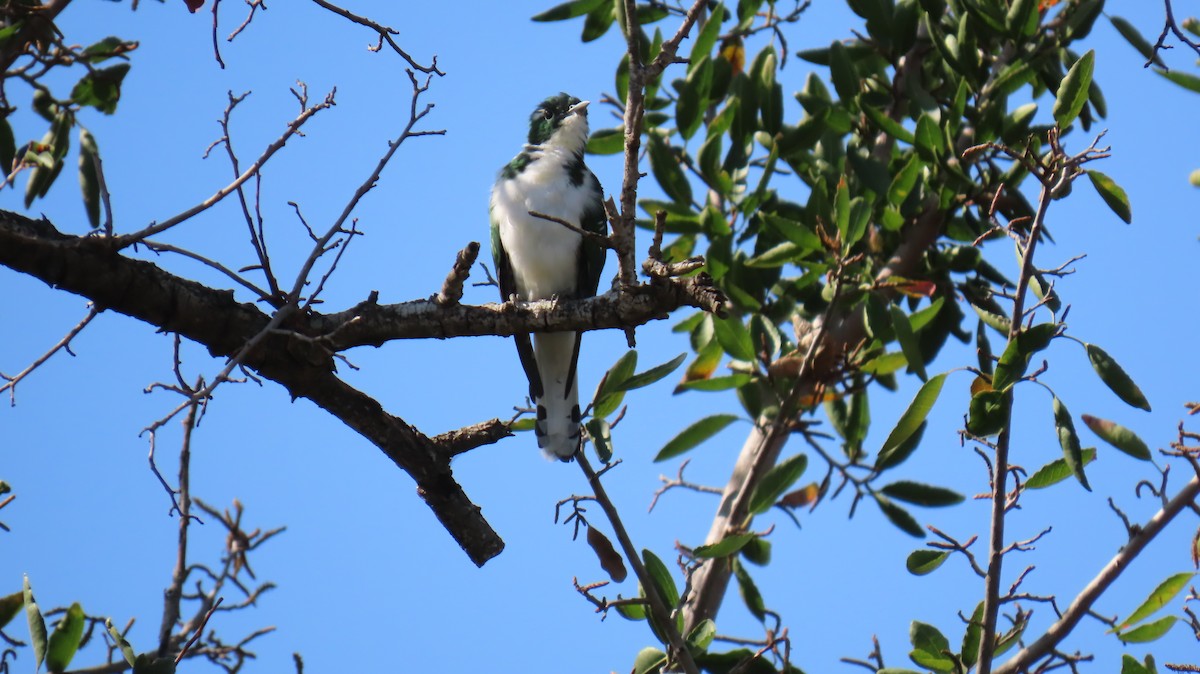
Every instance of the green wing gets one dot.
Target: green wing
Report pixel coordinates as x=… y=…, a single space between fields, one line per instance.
x=591 y=254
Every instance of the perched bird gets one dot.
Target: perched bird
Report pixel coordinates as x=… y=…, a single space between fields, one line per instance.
x=538 y=259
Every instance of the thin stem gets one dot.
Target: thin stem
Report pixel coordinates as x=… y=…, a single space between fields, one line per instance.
x=991 y=599
x=679 y=651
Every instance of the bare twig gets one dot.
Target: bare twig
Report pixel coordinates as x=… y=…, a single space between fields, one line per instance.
x=385 y=35
x=1082 y=603
x=10 y=382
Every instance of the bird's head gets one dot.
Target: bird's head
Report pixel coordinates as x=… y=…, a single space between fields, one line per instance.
x=560 y=121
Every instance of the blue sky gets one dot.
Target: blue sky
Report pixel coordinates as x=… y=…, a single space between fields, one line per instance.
x=366 y=575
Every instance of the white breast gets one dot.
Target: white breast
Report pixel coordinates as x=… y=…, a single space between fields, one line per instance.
x=544 y=254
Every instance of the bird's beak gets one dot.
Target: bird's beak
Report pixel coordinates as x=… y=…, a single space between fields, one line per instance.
x=579 y=108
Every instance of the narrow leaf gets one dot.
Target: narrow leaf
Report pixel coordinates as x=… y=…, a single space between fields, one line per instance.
x=609 y=393
x=1115 y=378
x=1067 y=437
x=652 y=375
x=1056 y=471
x=1073 y=91
x=661 y=577
x=776 y=482
x=1112 y=194
x=37 y=626
x=915 y=415
x=65 y=640
x=922 y=494
x=899 y=517
x=568 y=10
x=1159 y=598
x=749 y=591
x=1118 y=436
x=1149 y=631
x=126 y=649
x=908 y=341
x=723 y=548
x=695 y=434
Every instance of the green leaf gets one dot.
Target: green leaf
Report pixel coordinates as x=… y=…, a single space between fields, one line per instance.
x=569 y=10
x=126 y=649
x=707 y=37
x=1118 y=436
x=888 y=125
x=922 y=494
x=749 y=591
x=652 y=375
x=929 y=141
x=522 y=425
x=661 y=577
x=842 y=72
x=609 y=393
x=734 y=338
x=1056 y=471
x=667 y=171
x=972 y=637
x=929 y=647
x=1115 y=378
x=1022 y=18
x=1159 y=598
x=1130 y=665
x=65 y=640
x=101 y=88
x=757 y=551
x=10 y=606
x=37 y=625
x=1112 y=194
x=777 y=256
x=794 y=231
x=695 y=434
x=648 y=660
x=701 y=636
x=985 y=413
x=1015 y=360
x=913 y=416
x=902 y=185
x=727 y=546
x=693 y=98
x=633 y=612
x=908 y=341
x=1186 y=80
x=1073 y=90
x=1149 y=631
x=8 y=147
x=606 y=141
x=601 y=434
x=776 y=482
x=1072 y=453
x=89 y=181
x=905 y=449
x=1134 y=37
x=922 y=562
x=899 y=517
x=712 y=384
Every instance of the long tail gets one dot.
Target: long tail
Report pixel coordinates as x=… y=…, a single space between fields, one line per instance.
x=558 y=414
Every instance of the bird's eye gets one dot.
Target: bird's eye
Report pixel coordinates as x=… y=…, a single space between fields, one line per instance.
x=547 y=114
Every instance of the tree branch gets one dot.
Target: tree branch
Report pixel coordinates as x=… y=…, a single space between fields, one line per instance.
x=213 y=318
x=1082 y=604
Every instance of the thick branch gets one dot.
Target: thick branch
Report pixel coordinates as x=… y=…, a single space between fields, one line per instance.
x=92 y=268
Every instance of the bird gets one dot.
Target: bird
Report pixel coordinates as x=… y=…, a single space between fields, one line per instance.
x=540 y=259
